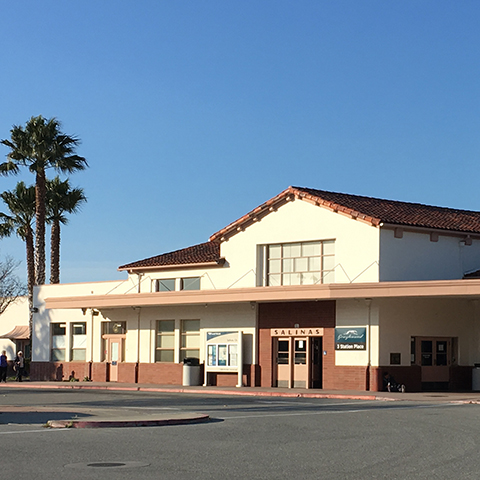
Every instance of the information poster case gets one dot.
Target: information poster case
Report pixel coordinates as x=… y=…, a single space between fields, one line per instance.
x=224 y=354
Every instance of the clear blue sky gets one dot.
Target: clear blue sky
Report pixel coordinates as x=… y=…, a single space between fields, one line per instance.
x=191 y=113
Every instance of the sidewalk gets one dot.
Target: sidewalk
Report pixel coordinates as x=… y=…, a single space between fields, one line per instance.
x=104 y=418
x=466 y=397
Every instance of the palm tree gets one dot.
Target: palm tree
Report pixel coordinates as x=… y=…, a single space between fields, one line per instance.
x=61 y=199
x=21 y=204
x=39 y=146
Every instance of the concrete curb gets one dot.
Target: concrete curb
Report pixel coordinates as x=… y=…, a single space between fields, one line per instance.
x=443 y=397
x=258 y=394
x=113 y=423
x=203 y=391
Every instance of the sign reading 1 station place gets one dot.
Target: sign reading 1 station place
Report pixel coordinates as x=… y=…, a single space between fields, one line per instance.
x=224 y=353
x=350 y=338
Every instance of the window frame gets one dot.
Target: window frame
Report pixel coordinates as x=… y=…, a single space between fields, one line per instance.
x=159 y=281
x=160 y=333
x=291 y=255
x=74 y=349
x=185 y=280
x=53 y=337
x=184 y=336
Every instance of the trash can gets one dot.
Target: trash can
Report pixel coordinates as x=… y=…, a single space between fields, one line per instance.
x=476 y=377
x=191 y=372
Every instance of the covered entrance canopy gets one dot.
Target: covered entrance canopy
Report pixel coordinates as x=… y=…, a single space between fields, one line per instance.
x=420 y=289
x=419 y=331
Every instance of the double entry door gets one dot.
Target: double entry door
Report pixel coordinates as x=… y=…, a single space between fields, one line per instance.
x=298 y=362
x=435 y=358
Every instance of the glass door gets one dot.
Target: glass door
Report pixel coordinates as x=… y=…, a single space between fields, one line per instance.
x=114 y=356
x=301 y=354
x=435 y=356
x=283 y=362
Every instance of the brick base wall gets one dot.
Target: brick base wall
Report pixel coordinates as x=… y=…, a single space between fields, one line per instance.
x=334 y=377
x=230 y=379
x=411 y=377
x=160 y=373
x=345 y=377
x=127 y=372
x=58 y=371
x=460 y=378
x=99 y=372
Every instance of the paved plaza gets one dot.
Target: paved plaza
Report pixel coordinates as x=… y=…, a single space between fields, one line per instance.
x=246 y=436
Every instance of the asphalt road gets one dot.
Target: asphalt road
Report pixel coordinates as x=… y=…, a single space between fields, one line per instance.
x=248 y=438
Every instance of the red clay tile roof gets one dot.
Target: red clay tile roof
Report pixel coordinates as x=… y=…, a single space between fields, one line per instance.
x=371 y=210
x=208 y=252
x=403 y=213
x=368 y=209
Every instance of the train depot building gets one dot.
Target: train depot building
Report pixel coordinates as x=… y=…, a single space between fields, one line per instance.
x=311 y=289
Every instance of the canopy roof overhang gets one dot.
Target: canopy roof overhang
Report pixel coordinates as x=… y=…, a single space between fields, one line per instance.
x=20 y=332
x=421 y=289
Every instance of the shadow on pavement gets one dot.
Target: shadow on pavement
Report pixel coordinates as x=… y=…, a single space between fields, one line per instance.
x=37 y=418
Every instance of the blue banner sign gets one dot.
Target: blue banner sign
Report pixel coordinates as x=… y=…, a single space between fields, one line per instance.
x=350 y=338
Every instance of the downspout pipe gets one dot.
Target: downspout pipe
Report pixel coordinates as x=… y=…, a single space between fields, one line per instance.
x=368 y=303
x=138 y=343
x=90 y=373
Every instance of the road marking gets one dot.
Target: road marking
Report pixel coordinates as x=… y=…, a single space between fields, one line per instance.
x=297 y=414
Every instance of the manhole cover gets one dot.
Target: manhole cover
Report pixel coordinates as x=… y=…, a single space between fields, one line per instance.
x=112 y=465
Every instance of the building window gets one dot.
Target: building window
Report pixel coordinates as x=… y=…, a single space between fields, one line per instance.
x=395 y=358
x=190 y=339
x=303 y=263
x=58 y=341
x=165 y=344
x=79 y=342
x=165 y=285
x=192 y=283
x=114 y=328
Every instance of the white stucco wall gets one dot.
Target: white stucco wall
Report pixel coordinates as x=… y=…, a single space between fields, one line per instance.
x=354 y=314
x=217 y=317
x=356 y=247
x=415 y=257
x=401 y=319
x=212 y=317
x=15 y=314
x=43 y=318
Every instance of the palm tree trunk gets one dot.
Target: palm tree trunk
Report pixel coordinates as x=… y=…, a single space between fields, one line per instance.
x=30 y=278
x=40 y=189
x=55 y=253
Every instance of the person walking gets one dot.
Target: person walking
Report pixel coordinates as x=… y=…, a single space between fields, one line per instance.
x=19 y=364
x=3 y=367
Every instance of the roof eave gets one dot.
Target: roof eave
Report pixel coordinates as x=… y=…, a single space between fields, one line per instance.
x=218 y=263
x=340 y=291
x=288 y=195
x=440 y=231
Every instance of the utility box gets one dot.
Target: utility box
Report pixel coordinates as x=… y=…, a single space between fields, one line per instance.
x=191 y=372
